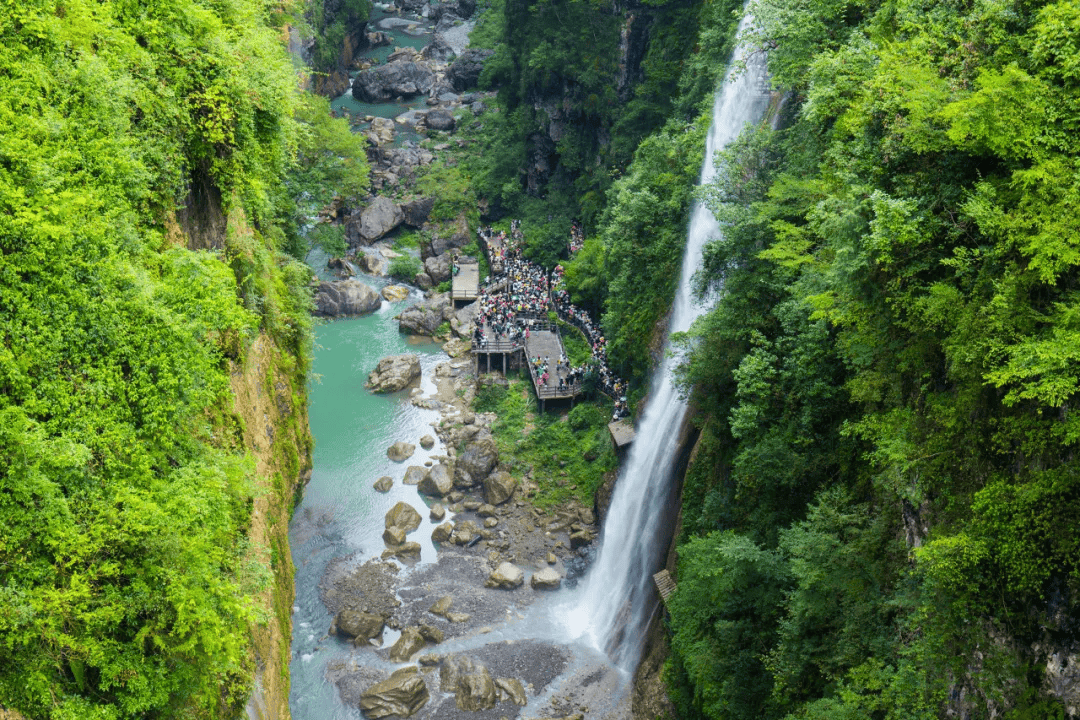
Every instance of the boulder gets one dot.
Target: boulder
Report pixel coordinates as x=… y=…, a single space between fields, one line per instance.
x=427 y=442
x=395 y=293
x=464 y=72
x=414 y=475
x=384 y=484
x=464 y=320
x=512 y=690
x=476 y=463
x=401 y=78
x=507 y=576
x=403 y=516
x=400 y=451
x=456 y=347
x=423 y=281
x=372 y=264
x=407 y=645
x=448 y=20
x=439 y=268
x=438 y=482
x=486 y=510
x=442 y=606
x=470 y=682
x=358 y=625
x=405 y=550
x=580 y=538
x=499 y=487
x=426 y=317
x=546 y=579
x=440 y=119
x=383 y=130
x=417 y=210
x=378 y=39
x=491 y=522
x=378 y=218
x=438 y=50
x=464 y=532
x=438 y=512
x=442 y=533
x=339 y=298
x=394 y=373
x=394 y=536
x=431 y=633
x=402 y=694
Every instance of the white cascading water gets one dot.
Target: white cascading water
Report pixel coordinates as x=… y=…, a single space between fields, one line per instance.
x=617 y=598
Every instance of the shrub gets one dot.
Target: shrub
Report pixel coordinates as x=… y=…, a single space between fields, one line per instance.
x=405 y=267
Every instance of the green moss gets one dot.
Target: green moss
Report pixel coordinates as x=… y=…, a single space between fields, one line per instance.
x=567 y=452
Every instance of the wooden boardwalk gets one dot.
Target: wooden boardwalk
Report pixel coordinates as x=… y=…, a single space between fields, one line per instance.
x=466 y=284
x=665 y=584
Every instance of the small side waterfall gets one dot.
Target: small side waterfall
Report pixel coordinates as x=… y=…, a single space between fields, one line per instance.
x=616 y=601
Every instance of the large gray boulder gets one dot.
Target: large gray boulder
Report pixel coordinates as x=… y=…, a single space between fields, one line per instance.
x=342 y=298
x=499 y=487
x=476 y=463
x=404 y=516
x=379 y=218
x=440 y=119
x=439 y=268
x=471 y=683
x=426 y=317
x=403 y=78
x=361 y=626
x=402 y=694
x=507 y=576
x=417 y=210
x=394 y=373
x=438 y=482
x=414 y=475
x=442 y=533
x=464 y=72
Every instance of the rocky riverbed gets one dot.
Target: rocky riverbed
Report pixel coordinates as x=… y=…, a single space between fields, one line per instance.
x=459 y=637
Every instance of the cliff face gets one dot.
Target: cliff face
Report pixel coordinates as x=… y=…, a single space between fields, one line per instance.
x=270 y=402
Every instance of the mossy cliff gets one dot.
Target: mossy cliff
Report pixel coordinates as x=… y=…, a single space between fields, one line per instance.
x=154 y=349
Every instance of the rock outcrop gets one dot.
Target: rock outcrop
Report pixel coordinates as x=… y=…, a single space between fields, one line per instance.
x=464 y=72
x=395 y=293
x=440 y=119
x=417 y=210
x=402 y=78
x=380 y=217
x=471 y=683
x=346 y=298
x=402 y=694
x=394 y=373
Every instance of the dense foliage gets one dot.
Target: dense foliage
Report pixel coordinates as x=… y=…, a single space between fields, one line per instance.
x=880 y=521
x=125 y=489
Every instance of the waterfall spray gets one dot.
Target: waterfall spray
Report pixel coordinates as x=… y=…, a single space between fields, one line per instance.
x=617 y=598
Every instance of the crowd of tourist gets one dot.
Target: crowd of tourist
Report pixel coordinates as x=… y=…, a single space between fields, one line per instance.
x=522 y=293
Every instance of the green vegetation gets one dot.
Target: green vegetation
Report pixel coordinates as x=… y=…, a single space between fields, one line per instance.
x=885 y=385
x=566 y=453
x=154 y=161
x=578 y=351
x=405 y=267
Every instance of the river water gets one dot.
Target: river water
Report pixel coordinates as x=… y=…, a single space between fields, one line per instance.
x=602 y=622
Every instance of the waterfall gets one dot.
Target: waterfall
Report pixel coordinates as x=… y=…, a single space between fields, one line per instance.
x=616 y=600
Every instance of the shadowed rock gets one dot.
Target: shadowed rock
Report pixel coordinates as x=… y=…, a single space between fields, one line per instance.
x=438 y=482
x=512 y=690
x=340 y=298
x=470 y=682
x=403 y=693
x=358 y=625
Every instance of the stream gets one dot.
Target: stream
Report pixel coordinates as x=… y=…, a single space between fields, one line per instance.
x=575 y=650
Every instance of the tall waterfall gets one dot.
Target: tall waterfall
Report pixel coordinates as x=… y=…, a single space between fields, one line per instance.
x=617 y=599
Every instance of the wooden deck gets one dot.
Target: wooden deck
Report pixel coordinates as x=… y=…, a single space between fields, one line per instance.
x=466 y=284
x=665 y=584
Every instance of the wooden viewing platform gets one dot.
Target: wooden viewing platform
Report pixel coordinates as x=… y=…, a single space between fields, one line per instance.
x=665 y=584
x=544 y=341
x=466 y=284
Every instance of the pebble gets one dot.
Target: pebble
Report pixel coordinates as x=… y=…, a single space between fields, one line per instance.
x=491 y=522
